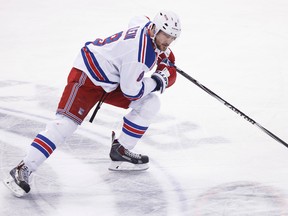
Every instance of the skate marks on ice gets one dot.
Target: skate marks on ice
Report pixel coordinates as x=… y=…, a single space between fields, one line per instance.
x=241 y=198
x=171 y=133
x=132 y=193
x=95 y=189
x=50 y=185
x=180 y=133
x=45 y=192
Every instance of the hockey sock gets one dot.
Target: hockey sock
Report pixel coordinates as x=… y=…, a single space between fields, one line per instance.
x=40 y=149
x=132 y=131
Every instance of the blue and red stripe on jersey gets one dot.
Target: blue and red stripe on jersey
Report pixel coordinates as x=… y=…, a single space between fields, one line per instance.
x=133 y=129
x=146 y=53
x=93 y=66
x=136 y=97
x=44 y=145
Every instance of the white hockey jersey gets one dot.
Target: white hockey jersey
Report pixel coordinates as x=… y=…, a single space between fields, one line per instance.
x=121 y=59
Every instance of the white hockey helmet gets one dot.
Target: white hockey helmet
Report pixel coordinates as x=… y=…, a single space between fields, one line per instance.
x=168 y=22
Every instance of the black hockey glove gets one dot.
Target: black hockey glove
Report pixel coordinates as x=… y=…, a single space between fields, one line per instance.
x=161 y=79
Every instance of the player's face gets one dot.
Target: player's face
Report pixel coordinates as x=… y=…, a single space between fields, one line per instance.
x=163 y=40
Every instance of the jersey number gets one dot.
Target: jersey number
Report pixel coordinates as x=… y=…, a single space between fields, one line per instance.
x=130 y=34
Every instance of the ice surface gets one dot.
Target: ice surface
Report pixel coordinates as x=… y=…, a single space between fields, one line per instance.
x=205 y=159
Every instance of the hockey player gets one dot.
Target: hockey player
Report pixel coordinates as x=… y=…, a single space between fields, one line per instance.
x=111 y=70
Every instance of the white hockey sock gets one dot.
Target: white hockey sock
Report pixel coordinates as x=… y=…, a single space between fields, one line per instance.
x=133 y=129
x=46 y=141
x=40 y=149
x=137 y=121
x=34 y=159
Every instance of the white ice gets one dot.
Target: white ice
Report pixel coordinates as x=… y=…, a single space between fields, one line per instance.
x=205 y=159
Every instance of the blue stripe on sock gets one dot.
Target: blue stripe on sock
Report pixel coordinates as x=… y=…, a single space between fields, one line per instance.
x=43 y=151
x=134 y=125
x=46 y=140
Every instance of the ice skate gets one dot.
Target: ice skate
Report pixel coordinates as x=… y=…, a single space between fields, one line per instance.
x=18 y=182
x=123 y=159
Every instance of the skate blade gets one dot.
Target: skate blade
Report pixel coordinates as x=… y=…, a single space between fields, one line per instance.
x=11 y=185
x=126 y=166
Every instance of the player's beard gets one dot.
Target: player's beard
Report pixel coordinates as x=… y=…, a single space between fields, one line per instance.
x=162 y=46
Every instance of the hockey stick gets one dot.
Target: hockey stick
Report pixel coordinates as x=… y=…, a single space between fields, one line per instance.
x=230 y=106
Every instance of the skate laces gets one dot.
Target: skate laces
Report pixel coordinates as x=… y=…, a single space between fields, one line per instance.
x=132 y=154
x=123 y=151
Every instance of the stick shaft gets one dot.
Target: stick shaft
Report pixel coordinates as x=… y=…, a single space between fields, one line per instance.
x=230 y=106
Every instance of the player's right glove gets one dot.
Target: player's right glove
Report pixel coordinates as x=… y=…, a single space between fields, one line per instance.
x=161 y=79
